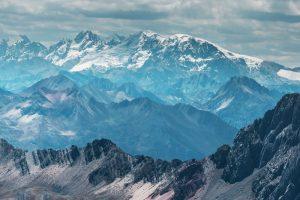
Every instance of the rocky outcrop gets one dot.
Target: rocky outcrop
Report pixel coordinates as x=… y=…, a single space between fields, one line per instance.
x=17 y=156
x=270 y=144
x=220 y=157
x=188 y=180
x=104 y=163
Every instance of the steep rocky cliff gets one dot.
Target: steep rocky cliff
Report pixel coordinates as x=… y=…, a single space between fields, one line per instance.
x=272 y=145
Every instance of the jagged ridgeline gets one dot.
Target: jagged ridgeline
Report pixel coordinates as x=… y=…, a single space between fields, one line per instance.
x=262 y=163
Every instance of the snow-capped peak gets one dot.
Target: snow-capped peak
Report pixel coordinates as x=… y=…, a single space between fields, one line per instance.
x=23 y=39
x=88 y=49
x=252 y=62
x=86 y=35
x=148 y=33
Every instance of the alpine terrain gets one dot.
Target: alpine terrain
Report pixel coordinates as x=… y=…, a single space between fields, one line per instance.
x=262 y=163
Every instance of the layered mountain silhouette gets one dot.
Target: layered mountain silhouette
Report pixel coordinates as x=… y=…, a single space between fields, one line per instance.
x=168 y=69
x=262 y=163
x=56 y=112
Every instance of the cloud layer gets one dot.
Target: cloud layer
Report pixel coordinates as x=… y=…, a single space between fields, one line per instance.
x=269 y=29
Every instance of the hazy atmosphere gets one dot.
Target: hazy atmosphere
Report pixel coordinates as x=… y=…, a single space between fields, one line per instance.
x=150 y=99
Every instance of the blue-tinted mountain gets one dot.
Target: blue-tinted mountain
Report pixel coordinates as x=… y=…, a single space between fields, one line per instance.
x=241 y=100
x=17 y=75
x=103 y=90
x=7 y=97
x=56 y=112
x=176 y=68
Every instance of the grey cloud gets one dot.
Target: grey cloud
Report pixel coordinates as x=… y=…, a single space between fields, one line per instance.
x=126 y=14
x=271 y=16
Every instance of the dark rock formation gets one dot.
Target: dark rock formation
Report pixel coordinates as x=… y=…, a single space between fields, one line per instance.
x=272 y=145
x=115 y=163
x=8 y=152
x=149 y=169
x=50 y=157
x=188 y=180
x=220 y=157
x=97 y=148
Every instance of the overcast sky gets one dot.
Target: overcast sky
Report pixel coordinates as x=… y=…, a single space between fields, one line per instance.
x=268 y=29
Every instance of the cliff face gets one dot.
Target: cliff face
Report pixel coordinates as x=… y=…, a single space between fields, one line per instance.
x=272 y=145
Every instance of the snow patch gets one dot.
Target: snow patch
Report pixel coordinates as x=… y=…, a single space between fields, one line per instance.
x=142 y=190
x=225 y=104
x=13 y=113
x=139 y=59
x=28 y=118
x=246 y=89
x=68 y=133
x=291 y=75
x=57 y=97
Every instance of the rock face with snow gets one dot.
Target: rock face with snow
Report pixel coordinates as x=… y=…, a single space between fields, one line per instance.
x=270 y=144
x=263 y=163
x=56 y=112
x=241 y=100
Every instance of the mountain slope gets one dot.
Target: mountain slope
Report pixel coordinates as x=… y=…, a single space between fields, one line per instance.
x=56 y=112
x=105 y=91
x=241 y=100
x=263 y=163
x=17 y=75
x=7 y=97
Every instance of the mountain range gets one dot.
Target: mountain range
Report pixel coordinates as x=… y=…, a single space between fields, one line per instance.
x=163 y=96
x=262 y=163
x=169 y=69
x=181 y=63
x=56 y=112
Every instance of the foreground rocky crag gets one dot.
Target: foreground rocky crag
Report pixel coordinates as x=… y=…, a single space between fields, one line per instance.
x=99 y=170
x=263 y=163
x=272 y=145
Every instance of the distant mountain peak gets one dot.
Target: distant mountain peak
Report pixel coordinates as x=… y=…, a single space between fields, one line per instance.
x=4 y=42
x=86 y=35
x=23 y=39
x=57 y=82
x=241 y=100
x=148 y=33
x=245 y=84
